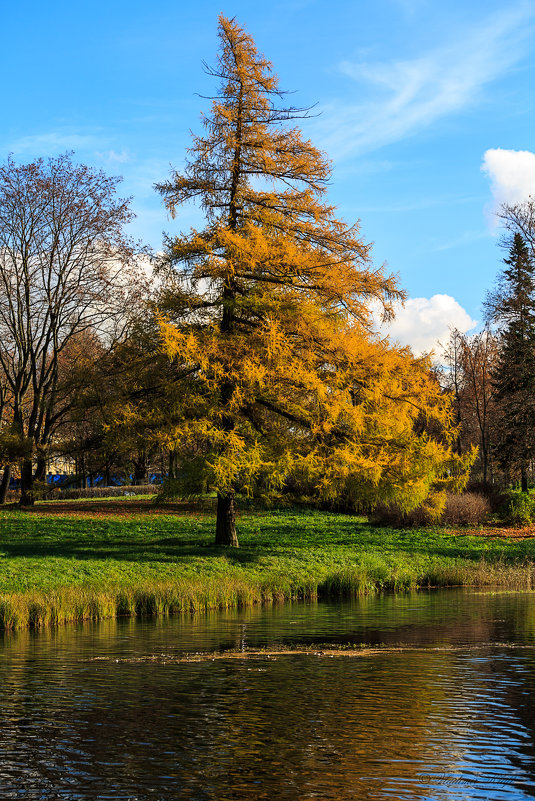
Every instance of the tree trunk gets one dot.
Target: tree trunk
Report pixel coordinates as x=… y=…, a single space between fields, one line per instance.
x=524 y=478
x=140 y=469
x=4 y=484
x=172 y=465
x=27 y=497
x=83 y=478
x=225 y=531
x=40 y=468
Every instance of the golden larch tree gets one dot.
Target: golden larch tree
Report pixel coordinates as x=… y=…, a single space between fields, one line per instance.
x=269 y=315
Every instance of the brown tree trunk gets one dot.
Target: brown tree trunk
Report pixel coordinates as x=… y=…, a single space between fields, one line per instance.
x=140 y=469
x=4 y=484
x=83 y=478
x=40 y=468
x=524 y=478
x=225 y=531
x=27 y=497
x=172 y=464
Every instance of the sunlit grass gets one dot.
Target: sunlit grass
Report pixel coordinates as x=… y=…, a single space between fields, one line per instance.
x=56 y=568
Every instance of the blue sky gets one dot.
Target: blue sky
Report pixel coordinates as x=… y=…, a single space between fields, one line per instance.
x=427 y=111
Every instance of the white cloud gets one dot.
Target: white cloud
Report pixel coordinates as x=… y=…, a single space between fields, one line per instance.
x=423 y=323
x=410 y=95
x=511 y=174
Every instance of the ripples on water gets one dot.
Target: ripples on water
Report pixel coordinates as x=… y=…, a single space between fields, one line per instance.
x=89 y=713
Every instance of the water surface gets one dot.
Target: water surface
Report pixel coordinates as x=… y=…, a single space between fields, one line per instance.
x=440 y=708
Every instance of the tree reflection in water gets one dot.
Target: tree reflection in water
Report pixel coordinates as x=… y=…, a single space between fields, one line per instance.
x=89 y=712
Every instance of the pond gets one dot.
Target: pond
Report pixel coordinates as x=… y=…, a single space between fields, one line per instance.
x=427 y=695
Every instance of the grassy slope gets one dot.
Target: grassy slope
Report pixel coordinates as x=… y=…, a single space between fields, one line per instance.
x=96 y=560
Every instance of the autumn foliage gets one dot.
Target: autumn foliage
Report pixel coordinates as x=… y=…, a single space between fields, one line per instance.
x=267 y=313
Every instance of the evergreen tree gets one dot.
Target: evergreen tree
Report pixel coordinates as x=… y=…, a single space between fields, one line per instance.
x=512 y=307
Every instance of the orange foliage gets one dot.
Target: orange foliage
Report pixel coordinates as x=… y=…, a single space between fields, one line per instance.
x=269 y=314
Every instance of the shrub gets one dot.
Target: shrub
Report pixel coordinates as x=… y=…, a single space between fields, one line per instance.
x=107 y=492
x=174 y=489
x=427 y=514
x=495 y=495
x=519 y=509
x=468 y=509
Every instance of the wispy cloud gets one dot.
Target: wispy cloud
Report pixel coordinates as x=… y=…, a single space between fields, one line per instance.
x=53 y=142
x=112 y=157
x=410 y=95
x=410 y=7
x=465 y=238
x=418 y=204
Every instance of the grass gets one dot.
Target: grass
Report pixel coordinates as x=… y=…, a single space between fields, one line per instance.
x=68 y=561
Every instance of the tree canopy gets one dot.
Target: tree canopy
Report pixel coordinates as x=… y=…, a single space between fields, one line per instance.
x=269 y=316
x=63 y=255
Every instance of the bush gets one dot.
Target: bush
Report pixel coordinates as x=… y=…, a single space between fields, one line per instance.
x=106 y=492
x=495 y=495
x=519 y=509
x=468 y=509
x=187 y=486
x=427 y=514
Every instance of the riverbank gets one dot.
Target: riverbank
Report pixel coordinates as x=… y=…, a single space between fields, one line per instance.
x=70 y=561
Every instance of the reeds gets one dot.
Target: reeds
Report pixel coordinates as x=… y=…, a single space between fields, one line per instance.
x=75 y=604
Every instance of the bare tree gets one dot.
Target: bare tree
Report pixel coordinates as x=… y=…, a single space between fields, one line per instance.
x=63 y=256
x=453 y=380
x=5 y=464
x=468 y=365
x=479 y=359
x=519 y=218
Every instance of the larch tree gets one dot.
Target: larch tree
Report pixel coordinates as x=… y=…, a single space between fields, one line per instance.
x=512 y=308
x=269 y=315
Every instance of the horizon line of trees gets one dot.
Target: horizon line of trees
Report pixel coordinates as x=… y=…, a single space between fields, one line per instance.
x=252 y=368
x=491 y=375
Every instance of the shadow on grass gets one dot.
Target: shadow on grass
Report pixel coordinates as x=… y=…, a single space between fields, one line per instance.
x=125 y=550
x=361 y=537
x=446 y=545
x=186 y=534
x=123 y=507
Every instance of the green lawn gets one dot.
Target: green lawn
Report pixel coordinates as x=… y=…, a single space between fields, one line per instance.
x=97 y=563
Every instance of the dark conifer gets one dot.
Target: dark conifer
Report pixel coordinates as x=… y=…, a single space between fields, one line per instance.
x=512 y=308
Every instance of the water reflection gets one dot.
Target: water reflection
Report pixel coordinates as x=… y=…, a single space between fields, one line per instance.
x=86 y=713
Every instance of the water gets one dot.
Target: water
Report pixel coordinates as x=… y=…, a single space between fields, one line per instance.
x=441 y=706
